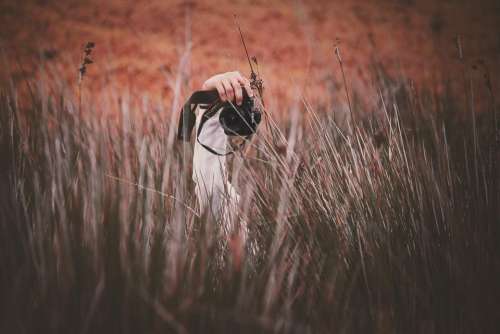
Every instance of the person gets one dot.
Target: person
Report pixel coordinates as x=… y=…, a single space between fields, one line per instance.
x=215 y=194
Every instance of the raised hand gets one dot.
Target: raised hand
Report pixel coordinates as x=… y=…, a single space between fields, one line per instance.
x=229 y=86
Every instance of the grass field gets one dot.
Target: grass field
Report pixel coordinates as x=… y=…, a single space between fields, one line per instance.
x=388 y=226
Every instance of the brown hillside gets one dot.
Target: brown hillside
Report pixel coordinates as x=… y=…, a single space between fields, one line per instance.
x=139 y=42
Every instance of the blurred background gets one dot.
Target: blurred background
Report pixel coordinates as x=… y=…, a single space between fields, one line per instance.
x=378 y=225
x=139 y=43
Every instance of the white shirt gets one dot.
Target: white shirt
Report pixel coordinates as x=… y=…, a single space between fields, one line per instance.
x=213 y=190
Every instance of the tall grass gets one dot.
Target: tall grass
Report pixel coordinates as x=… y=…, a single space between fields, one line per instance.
x=392 y=227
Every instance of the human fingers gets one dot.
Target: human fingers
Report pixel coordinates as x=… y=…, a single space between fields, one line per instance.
x=229 y=90
x=221 y=91
x=235 y=83
x=246 y=84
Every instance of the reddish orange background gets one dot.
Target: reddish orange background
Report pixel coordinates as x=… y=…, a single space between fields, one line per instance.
x=139 y=42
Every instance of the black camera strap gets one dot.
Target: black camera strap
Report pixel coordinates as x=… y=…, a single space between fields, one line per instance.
x=187 y=121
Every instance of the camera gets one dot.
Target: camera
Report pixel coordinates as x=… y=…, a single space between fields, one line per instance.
x=241 y=120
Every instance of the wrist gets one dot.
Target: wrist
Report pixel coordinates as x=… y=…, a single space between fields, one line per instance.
x=208 y=85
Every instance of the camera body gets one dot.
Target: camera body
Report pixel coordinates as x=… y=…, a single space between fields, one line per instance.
x=241 y=120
